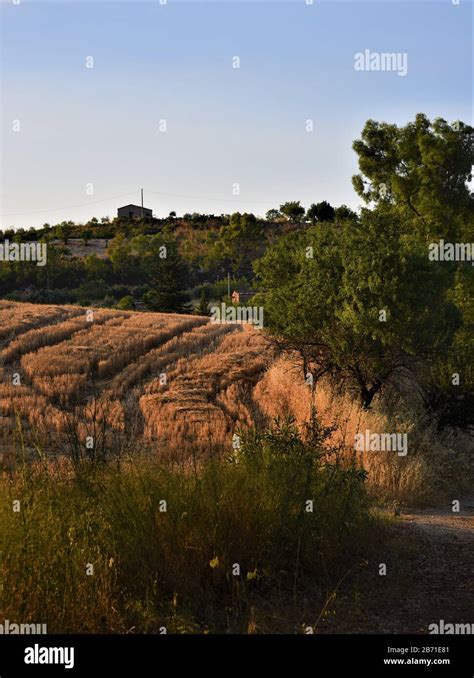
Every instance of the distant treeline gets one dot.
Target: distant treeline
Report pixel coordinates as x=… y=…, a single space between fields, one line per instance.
x=157 y=264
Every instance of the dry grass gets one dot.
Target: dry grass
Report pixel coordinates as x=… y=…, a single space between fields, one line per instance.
x=75 y=372
x=174 y=566
x=433 y=465
x=204 y=398
x=15 y=318
x=183 y=387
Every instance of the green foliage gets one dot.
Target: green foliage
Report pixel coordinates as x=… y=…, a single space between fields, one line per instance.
x=86 y=235
x=126 y=303
x=419 y=174
x=422 y=167
x=273 y=215
x=238 y=243
x=175 y=568
x=344 y=213
x=448 y=381
x=125 y=260
x=363 y=307
x=322 y=211
x=218 y=289
x=97 y=268
x=293 y=211
x=203 y=306
x=92 y=290
x=63 y=231
x=166 y=273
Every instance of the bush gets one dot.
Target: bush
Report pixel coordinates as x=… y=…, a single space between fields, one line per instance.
x=174 y=564
x=126 y=303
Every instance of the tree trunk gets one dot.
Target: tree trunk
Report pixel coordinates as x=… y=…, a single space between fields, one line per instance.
x=368 y=394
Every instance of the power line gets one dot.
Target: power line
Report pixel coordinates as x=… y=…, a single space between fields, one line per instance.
x=123 y=195
x=66 y=207
x=209 y=197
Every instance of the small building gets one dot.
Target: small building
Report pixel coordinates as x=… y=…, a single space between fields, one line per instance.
x=133 y=211
x=241 y=297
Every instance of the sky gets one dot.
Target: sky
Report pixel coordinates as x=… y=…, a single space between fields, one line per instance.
x=164 y=108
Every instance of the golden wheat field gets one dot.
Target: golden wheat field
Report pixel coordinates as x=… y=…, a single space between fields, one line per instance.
x=174 y=385
x=172 y=381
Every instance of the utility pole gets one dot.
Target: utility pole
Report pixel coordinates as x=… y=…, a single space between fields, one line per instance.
x=142 y=203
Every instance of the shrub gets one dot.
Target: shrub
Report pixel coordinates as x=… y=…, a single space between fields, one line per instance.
x=178 y=567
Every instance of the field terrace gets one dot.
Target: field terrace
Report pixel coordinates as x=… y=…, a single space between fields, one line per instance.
x=174 y=382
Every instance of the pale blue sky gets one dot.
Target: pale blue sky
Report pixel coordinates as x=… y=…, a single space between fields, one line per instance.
x=224 y=125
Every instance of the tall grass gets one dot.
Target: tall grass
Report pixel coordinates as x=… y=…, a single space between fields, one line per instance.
x=436 y=464
x=201 y=548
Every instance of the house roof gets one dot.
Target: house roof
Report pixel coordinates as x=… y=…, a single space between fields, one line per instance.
x=137 y=206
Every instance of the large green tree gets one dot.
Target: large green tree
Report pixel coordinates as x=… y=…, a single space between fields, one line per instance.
x=423 y=168
x=359 y=303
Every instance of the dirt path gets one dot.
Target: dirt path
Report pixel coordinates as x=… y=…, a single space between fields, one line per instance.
x=429 y=556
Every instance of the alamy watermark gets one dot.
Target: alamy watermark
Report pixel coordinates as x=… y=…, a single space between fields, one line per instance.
x=50 y=655
x=443 y=628
x=381 y=442
x=251 y=315
x=9 y=628
x=451 y=251
x=381 y=61
x=24 y=251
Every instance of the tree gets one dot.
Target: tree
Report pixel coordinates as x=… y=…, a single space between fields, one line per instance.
x=124 y=262
x=419 y=173
x=97 y=268
x=19 y=235
x=239 y=243
x=448 y=382
x=86 y=235
x=360 y=308
x=126 y=303
x=203 y=306
x=273 y=215
x=423 y=168
x=344 y=213
x=166 y=273
x=293 y=211
x=321 y=211
x=63 y=231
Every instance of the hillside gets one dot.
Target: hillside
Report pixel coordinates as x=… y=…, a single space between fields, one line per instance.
x=164 y=395
x=181 y=387
x=173 y=379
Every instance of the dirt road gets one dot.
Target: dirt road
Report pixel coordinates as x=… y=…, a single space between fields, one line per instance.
x=429 y=558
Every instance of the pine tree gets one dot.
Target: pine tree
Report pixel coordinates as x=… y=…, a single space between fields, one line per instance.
x=203 y=306
x=167 y=281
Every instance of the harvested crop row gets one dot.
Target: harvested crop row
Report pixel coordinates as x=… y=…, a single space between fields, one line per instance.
x=194 y=405
x=203 y=338
x=15 y=318
x=50 y=335
x=105 y=347
x=168 y=379
x=89 y=348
